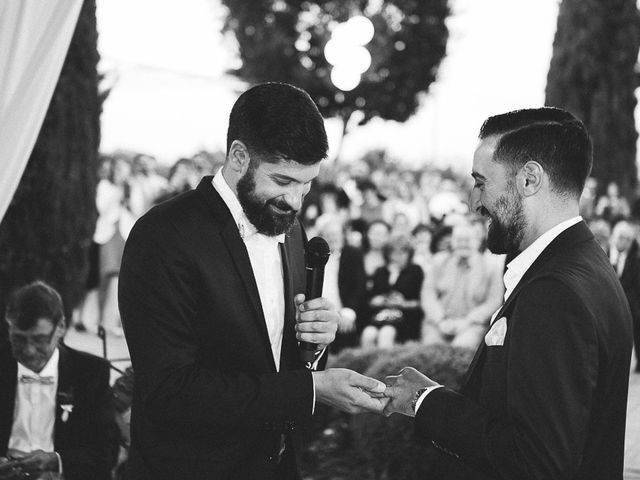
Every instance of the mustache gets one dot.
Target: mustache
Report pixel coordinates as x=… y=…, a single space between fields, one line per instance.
x=282 y=206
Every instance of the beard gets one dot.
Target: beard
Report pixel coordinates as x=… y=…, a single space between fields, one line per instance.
x=262 y=213
x=508 y=223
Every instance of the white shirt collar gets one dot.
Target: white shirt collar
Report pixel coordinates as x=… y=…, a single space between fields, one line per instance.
x=519 y=265
x=246 y=228
x=49 y=370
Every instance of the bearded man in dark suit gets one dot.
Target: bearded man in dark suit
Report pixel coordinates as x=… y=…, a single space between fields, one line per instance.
x=56 y=406
x=212 y=302
x=545 y=396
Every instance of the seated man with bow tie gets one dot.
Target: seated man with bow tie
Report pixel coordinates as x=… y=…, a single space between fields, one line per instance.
x=56 y=406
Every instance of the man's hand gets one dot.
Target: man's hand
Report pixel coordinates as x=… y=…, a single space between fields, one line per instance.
x=349 y=391
x=8 y=469
x=402 y=388
x=316 y=321
x=30 y=465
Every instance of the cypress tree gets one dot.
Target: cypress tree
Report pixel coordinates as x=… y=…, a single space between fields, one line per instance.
x=47 y=230
x=592 y=74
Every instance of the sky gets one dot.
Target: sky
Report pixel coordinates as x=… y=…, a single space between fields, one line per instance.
x=165 y=62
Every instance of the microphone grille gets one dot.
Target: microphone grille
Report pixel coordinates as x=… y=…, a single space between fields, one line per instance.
x=317 y=252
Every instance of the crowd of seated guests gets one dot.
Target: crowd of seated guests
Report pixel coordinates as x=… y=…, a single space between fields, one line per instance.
x=128 y=185
x=385 y=223
x=392 y=240
x=418 y=221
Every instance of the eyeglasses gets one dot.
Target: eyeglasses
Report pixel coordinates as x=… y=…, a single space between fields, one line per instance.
x=20 y=339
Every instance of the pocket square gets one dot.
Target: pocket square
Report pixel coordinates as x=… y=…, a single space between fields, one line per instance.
x=495 y=336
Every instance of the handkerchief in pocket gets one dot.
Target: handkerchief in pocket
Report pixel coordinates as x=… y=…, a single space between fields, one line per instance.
x=495 y=336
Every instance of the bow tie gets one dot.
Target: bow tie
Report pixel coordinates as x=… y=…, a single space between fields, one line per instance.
x=36 y=379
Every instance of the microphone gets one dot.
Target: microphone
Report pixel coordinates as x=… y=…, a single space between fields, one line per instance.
x=315 y=258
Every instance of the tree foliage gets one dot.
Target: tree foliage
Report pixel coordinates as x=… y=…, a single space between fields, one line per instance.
x=283 y=40
x=47 y=230
x=592 y=74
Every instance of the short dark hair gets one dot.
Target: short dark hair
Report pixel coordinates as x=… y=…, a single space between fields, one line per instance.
x=400 y=243
x=550 y=136
x=279 y=120
x=28 y=304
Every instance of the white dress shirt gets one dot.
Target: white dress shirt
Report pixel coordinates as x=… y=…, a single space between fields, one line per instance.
x=34 y=411
x=264 y=254
x=519 y=266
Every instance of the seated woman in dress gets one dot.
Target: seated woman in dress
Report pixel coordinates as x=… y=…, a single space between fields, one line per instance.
x=395 y=313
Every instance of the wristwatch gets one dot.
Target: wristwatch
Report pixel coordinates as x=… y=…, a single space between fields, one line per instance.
x=417 y=395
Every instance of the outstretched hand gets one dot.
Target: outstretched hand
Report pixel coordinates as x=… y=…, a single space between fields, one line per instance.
x=349 y=391
x=401 y=390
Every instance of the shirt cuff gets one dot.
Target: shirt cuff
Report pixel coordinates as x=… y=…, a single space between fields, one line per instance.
x=313 y=405
x=424 y=395
x=314 y=366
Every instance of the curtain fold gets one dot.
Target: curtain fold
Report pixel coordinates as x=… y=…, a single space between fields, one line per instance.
x=34 y=39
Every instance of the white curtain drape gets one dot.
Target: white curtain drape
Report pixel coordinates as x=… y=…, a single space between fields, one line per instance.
x=34 y=39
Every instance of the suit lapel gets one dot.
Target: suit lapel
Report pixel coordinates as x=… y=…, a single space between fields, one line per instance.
x=572 y=235
x=289 y=342
x=8 y=380
x=64 y=395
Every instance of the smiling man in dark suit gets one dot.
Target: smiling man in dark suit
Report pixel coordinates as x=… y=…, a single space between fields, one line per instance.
x=56 y=406
x=545 y=396
x=211 y=297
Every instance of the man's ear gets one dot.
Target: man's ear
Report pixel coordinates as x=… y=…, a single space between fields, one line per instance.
x=238 y=158
x=62 y=325
x=530 y=178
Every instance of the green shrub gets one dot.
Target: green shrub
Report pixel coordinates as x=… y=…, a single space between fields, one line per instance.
x=368 y=446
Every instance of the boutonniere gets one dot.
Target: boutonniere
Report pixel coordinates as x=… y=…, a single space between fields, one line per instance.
x=65 y=400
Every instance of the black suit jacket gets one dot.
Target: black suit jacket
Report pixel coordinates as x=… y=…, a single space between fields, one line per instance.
x=551 y=401
x=208 y=401
x=88 y=441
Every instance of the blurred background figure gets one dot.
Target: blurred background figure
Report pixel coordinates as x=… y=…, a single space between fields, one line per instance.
x=588 y=199
x=421 y=238
x=114 y=223
x=344 y=284
x=441 y=239
x=371 y=208
x=462 y=293
x=355 y=231
x=183 y=176
x=374 y=242
x=333 y=203
x=625 y=258
x=612 y=207
x=115 y=219
x=146 y=184
x=394 y=300
x=602 y=232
